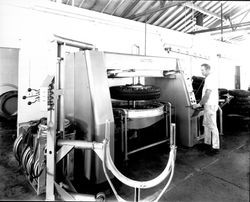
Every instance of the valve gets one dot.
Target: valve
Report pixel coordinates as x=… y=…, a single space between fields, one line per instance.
x=32 y=93
x=44 y=95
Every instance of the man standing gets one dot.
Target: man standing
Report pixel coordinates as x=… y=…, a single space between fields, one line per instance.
x=209 y=100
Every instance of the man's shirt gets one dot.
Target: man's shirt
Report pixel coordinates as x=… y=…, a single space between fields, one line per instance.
x=211 y=84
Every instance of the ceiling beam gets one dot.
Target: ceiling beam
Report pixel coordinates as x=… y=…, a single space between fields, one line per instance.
x=204 y=11
x=117 y=7
x=106 y=6
x=129 y=8
x=219 y=28
x=168 y=5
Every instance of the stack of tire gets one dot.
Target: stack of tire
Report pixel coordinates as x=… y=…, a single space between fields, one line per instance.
x=240 y=103
x=198 y=83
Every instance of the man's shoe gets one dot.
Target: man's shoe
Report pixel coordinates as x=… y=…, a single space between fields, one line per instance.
x=204 y=147
x=213 y=152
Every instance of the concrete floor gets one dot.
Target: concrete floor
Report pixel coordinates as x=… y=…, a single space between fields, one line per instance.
x=197 y=177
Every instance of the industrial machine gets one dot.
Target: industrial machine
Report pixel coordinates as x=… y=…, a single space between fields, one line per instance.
x=90 y=98
x=80 y=94
x=112 y=100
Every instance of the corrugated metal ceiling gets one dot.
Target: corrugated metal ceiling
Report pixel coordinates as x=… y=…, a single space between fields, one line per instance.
x=223 y=20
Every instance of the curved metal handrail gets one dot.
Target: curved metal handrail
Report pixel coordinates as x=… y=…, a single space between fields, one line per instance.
x=107 y=161
x=135 y=183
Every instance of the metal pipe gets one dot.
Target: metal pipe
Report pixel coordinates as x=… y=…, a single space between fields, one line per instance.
x=145 y=43
x=169 y=180
x=146 y=147
x=80 y=144
x=218 y=28
x=73 y=43
x=124 y=129
x=170 y=124
x=221 y=121
x=137 y=194
x=60 y=86
x=221 y=22
x=126 y=135
x=174 y=134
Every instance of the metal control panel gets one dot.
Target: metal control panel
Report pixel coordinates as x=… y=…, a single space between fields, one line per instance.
x=190 y=91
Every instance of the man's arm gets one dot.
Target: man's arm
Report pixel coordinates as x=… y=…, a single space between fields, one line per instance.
x=204 y=99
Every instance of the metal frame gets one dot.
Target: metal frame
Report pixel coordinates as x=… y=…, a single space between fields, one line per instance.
x=55 y=117
x=125 y=127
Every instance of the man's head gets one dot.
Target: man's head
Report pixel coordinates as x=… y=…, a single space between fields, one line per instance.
x=205 y=69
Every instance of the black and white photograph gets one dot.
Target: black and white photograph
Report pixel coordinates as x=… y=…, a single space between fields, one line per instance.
x=124 y=100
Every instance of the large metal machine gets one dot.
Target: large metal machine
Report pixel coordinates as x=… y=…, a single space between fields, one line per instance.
x=111 y=99
x=117 y=87
x=88 y=102
x=79 y=93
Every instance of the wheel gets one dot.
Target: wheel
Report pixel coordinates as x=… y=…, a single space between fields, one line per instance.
x=8 y=105
x=198 y=79
x=239 y=93
x=242 y=99
x=239 y=109
x=16 y=147
x=222 y=91
x=135 y=92
x=240 y=102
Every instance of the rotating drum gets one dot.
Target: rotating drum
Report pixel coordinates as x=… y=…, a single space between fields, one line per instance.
x=144 y=113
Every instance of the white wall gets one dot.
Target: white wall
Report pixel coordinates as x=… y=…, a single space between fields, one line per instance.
x=30 y=25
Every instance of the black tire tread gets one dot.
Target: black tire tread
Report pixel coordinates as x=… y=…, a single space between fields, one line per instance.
x=128 y=92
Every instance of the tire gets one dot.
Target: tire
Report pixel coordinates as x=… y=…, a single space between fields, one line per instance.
x=222 y=91
x=239 y=93
x=239 y=102
x=197 y=84
x=198 y=79
x=239 y=109
x=223 y=97
x=135 y=92
x=242 y=99
x=8 y=105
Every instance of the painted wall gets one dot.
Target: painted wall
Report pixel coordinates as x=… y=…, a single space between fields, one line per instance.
x=30 y=25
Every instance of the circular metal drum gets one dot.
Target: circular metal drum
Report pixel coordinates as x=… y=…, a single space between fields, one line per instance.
x=142 y=114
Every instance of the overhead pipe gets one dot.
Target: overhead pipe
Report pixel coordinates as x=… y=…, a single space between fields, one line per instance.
x=221 y=22
x=223 y=27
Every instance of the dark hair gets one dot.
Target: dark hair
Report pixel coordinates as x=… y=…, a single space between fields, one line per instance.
x=207 y=66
